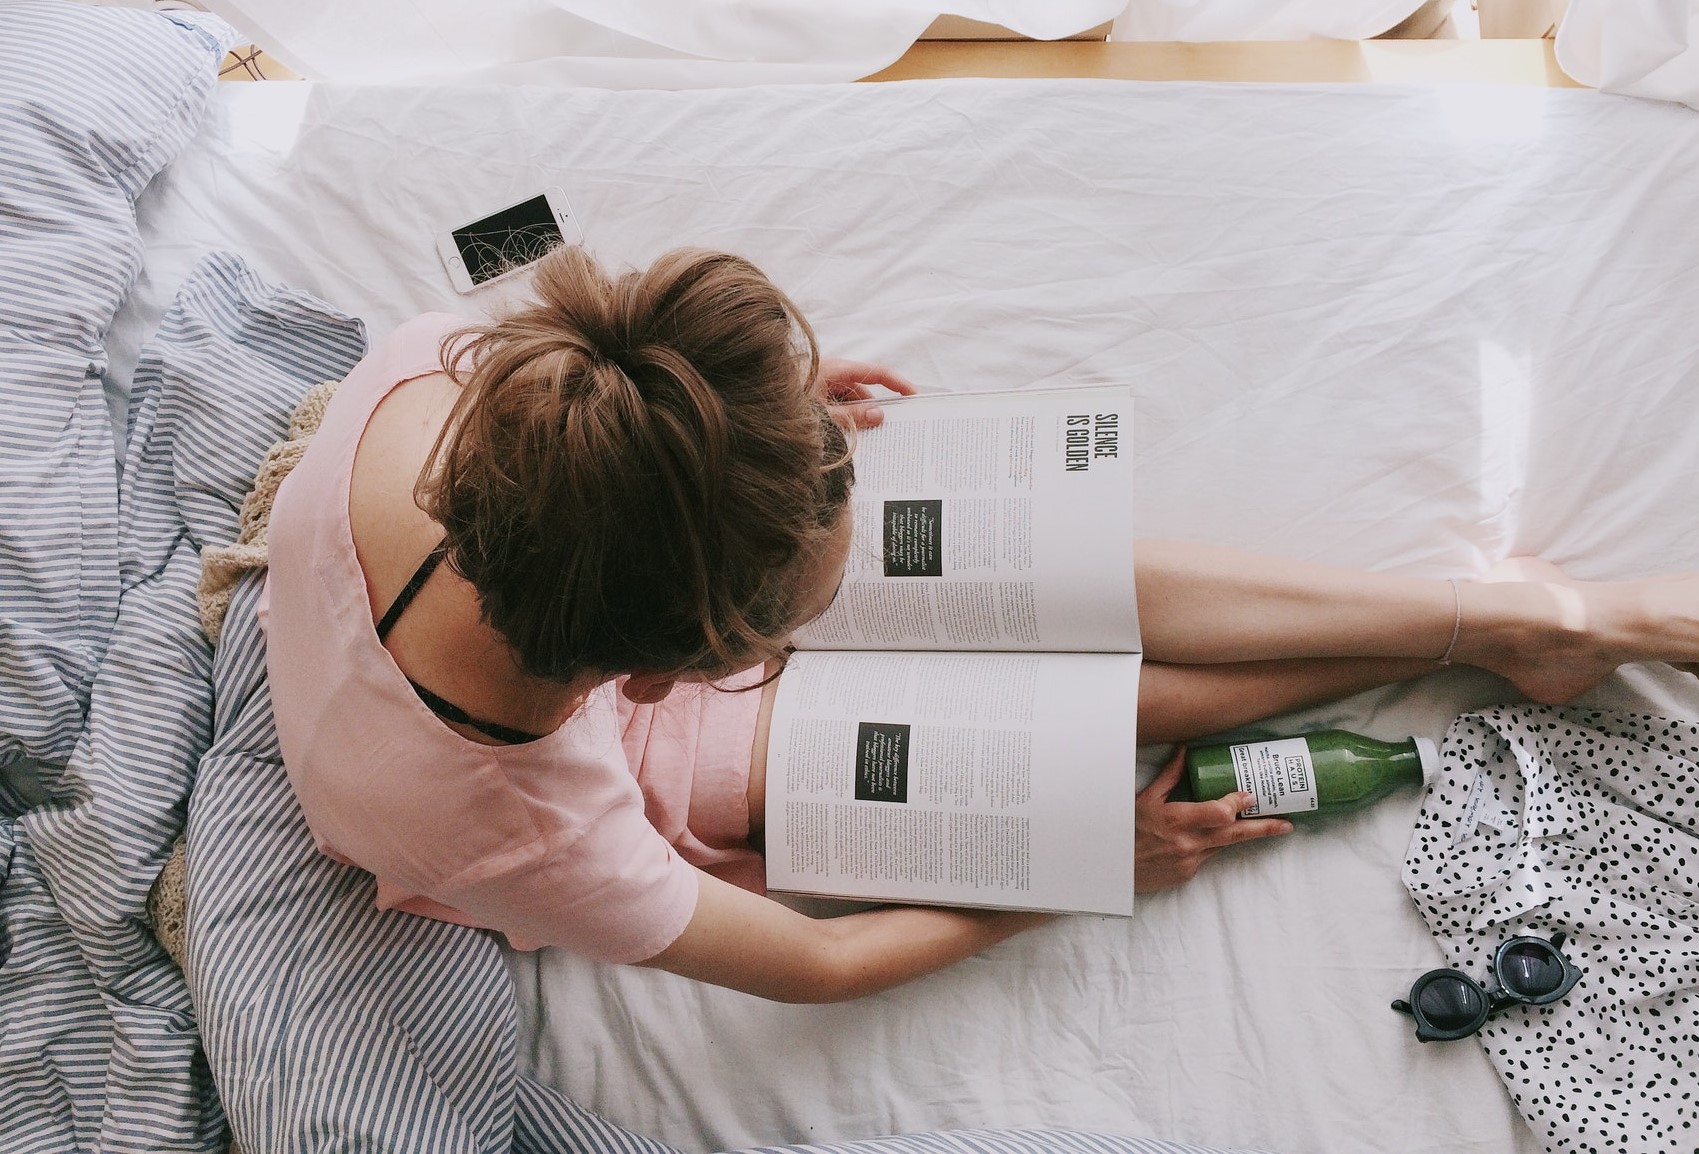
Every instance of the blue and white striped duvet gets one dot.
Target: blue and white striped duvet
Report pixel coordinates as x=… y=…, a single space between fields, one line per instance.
x=97 y=1038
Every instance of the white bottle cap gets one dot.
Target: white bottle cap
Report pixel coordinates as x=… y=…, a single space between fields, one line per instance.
x=1429 y=754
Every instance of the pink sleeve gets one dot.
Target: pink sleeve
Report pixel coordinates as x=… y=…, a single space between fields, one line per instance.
x=609 y=914
x=691 y=754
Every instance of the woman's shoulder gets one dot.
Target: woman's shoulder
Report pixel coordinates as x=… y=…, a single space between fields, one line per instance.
x=416 y=346
x=433 y=326
x=391 y=533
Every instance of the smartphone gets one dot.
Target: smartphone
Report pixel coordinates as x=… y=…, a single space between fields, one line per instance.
x=494 y=246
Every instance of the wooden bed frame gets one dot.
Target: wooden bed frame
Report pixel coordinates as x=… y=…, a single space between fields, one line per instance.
x=1289 y=61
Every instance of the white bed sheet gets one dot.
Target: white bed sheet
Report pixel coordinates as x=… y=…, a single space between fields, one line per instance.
x=1409 y=329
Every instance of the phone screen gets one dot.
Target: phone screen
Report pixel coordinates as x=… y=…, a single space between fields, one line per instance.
x=507 y=239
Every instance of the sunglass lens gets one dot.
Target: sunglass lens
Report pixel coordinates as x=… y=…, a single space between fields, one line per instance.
x=1451 y=1004
x=1530 y=970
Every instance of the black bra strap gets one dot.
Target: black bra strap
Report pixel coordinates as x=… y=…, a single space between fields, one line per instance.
x=441 y=706
x=411 y=590
x=449 y=711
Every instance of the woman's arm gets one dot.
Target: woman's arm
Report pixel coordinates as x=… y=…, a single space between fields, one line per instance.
x=750 y=943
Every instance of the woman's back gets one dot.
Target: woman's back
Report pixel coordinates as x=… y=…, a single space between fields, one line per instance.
x=438 y=637
x=547 y=841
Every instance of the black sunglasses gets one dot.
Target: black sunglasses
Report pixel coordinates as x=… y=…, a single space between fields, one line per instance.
x=1449 y=1004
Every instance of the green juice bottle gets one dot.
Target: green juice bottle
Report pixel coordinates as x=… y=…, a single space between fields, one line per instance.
x=1322 y=772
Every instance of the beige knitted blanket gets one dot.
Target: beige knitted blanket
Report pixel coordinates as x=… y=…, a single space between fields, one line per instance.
x=221 y=567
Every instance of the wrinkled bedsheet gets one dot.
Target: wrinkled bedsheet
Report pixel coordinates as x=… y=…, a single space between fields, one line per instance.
x=1417 y=330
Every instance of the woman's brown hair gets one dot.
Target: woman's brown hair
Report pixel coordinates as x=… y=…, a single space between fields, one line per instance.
x=637 y=465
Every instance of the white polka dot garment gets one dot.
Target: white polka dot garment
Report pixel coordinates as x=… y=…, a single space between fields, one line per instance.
x=1581 y=821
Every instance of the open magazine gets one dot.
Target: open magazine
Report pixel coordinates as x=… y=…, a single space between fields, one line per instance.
x=958 y=727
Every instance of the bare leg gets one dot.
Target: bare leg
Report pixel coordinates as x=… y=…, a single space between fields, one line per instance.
x=1180 y=702
x=1552 y=638
x=1206 y=603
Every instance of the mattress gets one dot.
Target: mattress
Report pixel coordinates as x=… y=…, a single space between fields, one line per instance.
x=1409 y=329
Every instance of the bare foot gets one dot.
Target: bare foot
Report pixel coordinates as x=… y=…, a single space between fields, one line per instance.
x=1568 y=656
x=1673 y=603
x=1574 y=633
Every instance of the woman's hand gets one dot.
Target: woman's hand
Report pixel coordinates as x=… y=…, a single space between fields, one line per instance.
x=1173 y=838
x=846 y=385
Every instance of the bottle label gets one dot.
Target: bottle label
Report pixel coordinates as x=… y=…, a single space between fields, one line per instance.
x=1280 y=774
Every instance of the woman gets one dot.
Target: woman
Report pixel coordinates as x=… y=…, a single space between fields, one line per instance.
x=637 y=488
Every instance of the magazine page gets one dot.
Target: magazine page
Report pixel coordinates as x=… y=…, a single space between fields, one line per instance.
x=991 y=521
x=975 y=779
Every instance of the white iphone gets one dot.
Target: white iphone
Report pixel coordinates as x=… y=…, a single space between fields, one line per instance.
x=487 y=249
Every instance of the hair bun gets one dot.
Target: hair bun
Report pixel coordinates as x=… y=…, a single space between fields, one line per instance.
x=637 y=465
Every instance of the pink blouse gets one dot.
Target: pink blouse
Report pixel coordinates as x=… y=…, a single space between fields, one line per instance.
x=586 y=838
